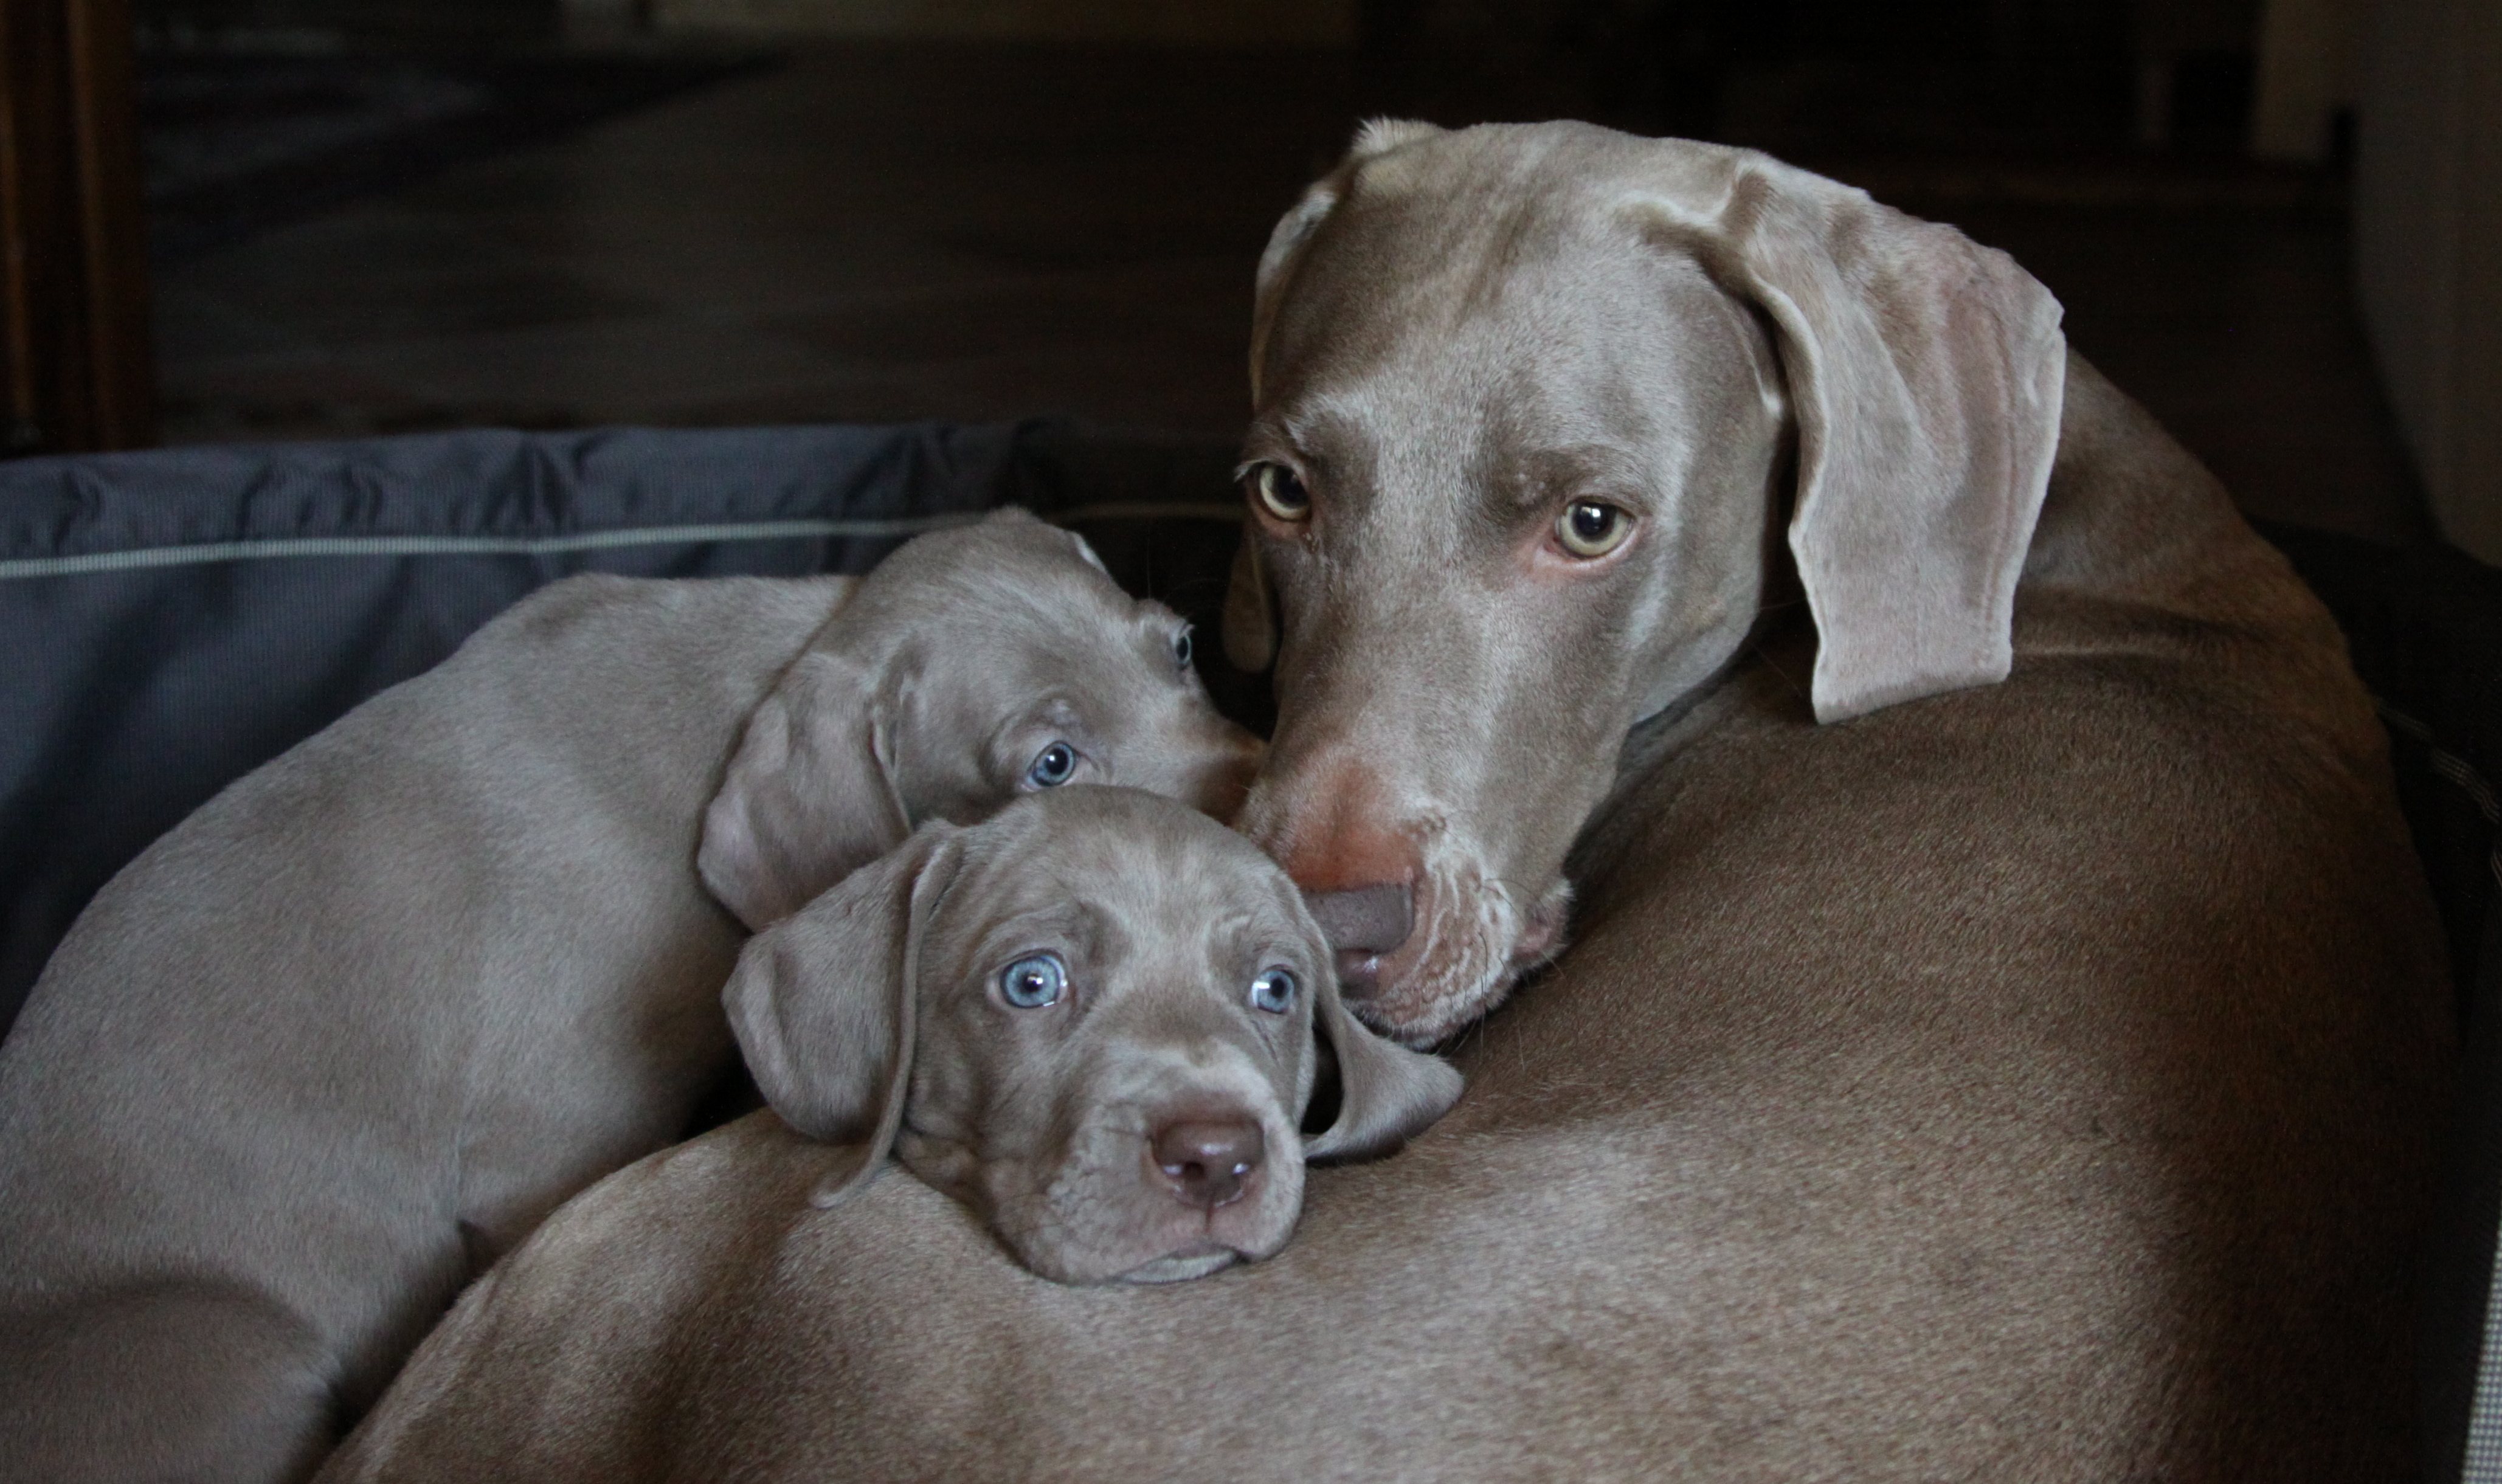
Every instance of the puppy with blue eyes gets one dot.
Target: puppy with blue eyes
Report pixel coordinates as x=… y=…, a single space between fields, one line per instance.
x=1092 y=1020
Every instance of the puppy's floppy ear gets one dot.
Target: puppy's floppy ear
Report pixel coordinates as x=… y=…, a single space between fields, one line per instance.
x=810 y=793
x=825 y=1002
x=1389 y=1094
x=1250 y=629
x=1926 y=373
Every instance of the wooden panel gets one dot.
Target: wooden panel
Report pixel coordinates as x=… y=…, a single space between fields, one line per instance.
x=455 y=24
x=2428 y=248
x=2307 y=65
x=73 y=260
x=1206 y=23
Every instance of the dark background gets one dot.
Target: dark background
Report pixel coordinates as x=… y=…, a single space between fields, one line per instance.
x=507 y=214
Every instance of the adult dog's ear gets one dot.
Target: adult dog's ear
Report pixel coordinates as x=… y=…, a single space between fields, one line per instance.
x=824 y=1003
x=1388 y=1092
x=1926 y=374
x=810 y=793
x=1250 y=629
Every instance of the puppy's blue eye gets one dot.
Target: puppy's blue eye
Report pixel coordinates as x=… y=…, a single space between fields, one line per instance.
x=1181 y=649
x=1031 y=983
x=1273 y=990
x=1053 y=766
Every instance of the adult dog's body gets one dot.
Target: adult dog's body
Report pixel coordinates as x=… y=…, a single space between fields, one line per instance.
x=351 y=1029
x=2027 y=1081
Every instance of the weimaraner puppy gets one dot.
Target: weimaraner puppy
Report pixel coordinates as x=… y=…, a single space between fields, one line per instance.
x=1091 y=1019
x=351 y=1029
x=2002 y=1027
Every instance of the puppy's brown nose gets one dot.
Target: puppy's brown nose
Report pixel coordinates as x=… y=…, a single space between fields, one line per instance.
x=1207 y=1164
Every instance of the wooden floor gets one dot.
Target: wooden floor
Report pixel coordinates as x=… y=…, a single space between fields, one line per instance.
x=889 y=231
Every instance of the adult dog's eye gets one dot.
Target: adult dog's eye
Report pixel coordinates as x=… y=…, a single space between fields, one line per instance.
x=1273 y=990
x=1053 y=766
x=1181 y=648
x=1593 y=527
x=1280 y=492
x=1033 y=982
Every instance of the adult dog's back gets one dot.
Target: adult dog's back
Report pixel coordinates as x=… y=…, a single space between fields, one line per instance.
x=1999 y=1078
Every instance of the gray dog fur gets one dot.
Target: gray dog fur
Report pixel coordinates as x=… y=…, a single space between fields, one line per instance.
x=2023 y=1080
x=353 y=1028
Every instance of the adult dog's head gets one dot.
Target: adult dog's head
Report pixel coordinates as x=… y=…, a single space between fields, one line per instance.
x=1531 y=401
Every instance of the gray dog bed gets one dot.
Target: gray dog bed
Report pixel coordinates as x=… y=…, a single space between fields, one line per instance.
x=175 y=618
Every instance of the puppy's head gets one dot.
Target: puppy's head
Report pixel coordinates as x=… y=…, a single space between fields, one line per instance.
x=971 y=667
x=1092 y=1019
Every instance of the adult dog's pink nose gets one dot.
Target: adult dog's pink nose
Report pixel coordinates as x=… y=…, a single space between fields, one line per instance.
x=1209 y=1164
x=1355 y=870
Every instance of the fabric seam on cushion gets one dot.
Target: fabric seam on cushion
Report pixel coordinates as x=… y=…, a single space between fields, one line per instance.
x=143 y=558
x=2457 y=772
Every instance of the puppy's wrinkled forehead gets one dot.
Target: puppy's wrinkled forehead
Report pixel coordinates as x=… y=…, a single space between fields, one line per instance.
x=1122 y=869
x=1005 y=554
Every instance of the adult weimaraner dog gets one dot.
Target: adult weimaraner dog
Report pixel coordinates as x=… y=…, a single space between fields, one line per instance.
x=355 y=1026
x=2002 y=1030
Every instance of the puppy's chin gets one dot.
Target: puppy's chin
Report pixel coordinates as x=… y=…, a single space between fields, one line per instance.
x=1196 y=1261
x=1180 y=1260
x=1102 y=1214
x=1154 y=1241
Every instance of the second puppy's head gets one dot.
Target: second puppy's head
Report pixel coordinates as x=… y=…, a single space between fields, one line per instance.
x=969 y=667
x=1091 y=1018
